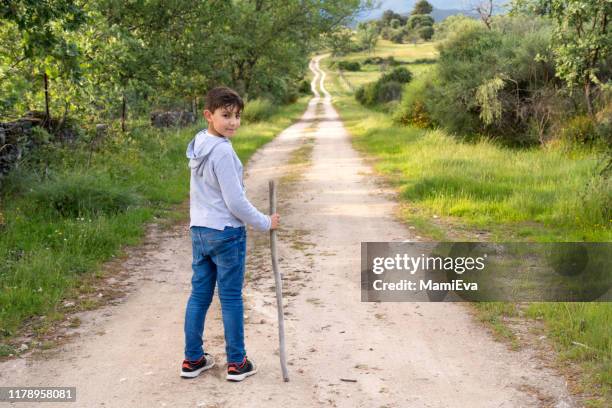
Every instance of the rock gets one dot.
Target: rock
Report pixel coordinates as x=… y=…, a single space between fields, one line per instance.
x=68 y=304
x=23 y=348
x=101 y=129
x=172 y=118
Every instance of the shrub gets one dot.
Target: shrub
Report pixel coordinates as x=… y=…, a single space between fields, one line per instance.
x=494 y=82
x=258 y=110
x=397 y=37
x=389 y=91
x=579 y=129
x=388 y=88
x=389 y=61
x=366 y=94
x=349 y=65
x=77 y=195
x=426 y=32
x=401 y=75
x=373 y=60
x=412 y=109
x=304 y=87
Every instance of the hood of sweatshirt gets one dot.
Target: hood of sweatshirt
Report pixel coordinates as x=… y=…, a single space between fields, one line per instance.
x=198 y=158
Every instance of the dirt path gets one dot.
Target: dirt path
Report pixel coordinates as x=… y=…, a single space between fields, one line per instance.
x=398 y=354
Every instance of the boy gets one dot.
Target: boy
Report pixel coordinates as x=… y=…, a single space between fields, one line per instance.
x=219 y=211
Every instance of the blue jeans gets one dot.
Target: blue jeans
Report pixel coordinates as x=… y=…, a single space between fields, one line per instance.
x=218 y=258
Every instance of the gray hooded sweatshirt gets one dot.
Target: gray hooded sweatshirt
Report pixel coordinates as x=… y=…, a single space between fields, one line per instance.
x=217 y=193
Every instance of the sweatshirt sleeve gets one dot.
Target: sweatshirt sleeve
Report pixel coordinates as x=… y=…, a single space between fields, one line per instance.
x=234 y=197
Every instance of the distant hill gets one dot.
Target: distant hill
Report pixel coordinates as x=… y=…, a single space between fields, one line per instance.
x=440 y=14
x=442 y=8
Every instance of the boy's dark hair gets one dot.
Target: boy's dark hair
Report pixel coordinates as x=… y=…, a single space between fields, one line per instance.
x=223 y=97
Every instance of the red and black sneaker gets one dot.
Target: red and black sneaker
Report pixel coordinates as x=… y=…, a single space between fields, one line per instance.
x=238 y=372
x=192 y=369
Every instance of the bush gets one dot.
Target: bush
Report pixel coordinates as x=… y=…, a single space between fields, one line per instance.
x=412 y=109
x=426 y=32
x=579 y=129
x=304 y=87
x=401 y=75
x=373 y=60
x=388 y=88
x=495 y=82
x=349 y=65
x=257 y=110
x=366 y=94
x=76 y=196
x=389 y=61
x=397 y=37
x=389 y=91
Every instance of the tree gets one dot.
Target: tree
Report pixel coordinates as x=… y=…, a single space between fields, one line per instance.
x=42 y=39
x=426 y=32
x=485 y=10
x=367 y=33
x=419 y=20
x=422 y=7
x=420 y=23
x=340 y=40
x=270 y=44
x=531 y=7
x=389 y=16
x=581 y=39
x=581 y=42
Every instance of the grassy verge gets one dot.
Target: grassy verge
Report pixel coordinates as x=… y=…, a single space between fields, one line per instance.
x=71 y=209
x=450 y=190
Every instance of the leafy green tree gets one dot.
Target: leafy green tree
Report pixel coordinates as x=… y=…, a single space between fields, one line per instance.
x=269 y=44
x=106 y=58
x=340 y=40
x=420 y=22
x=422 y=7
x=41 y=49
x=367 y=34
x=582 y=41
x=426 y=32
x=389 y=16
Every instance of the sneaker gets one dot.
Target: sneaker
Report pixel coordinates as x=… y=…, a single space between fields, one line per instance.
x=238 y=372
x=191 y=369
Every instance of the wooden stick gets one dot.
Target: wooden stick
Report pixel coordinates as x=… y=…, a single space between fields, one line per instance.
x=279 y=287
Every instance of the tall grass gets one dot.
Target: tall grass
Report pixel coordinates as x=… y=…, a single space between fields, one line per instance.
x=66 y=214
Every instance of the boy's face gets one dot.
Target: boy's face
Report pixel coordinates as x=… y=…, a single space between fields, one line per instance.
x=224 y=121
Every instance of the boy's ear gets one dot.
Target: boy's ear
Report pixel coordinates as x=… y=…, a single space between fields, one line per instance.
x=207 y=115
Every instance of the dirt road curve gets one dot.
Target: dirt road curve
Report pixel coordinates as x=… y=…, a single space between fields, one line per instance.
x=395 y=354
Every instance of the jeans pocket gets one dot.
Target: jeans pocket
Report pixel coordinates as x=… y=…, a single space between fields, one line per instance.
x=226 y=250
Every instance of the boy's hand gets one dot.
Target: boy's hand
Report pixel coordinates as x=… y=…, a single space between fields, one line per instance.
x=275 y=221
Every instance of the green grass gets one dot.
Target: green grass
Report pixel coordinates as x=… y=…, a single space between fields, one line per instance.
x=582 y=332
x=59 y=229
x=409 y=55
x=451 y=190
